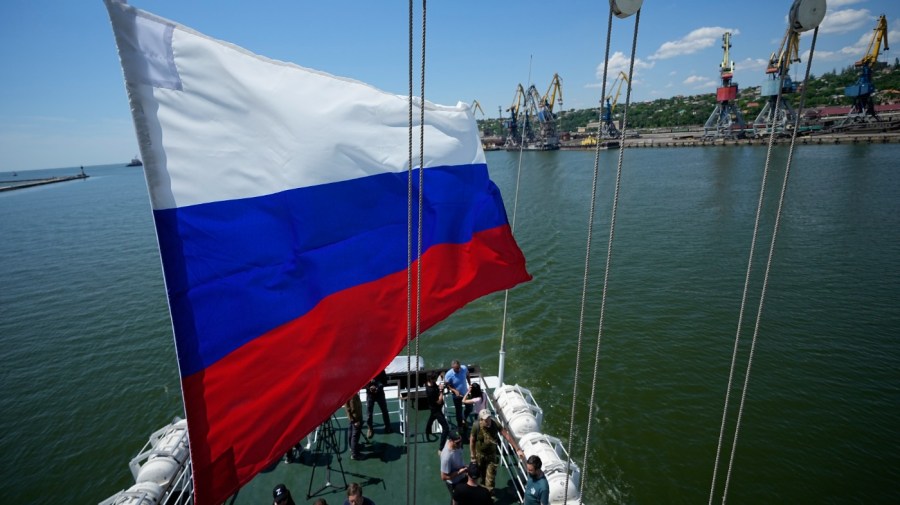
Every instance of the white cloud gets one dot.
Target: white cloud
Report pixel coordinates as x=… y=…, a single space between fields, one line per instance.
x=700 y=82
x=751 y=65
x=840 y=3
x=846 y=20
x=620 y=63
x=698 y=39
x=694 y=79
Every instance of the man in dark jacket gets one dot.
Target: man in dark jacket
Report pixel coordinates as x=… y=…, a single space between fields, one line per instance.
x=375 y=394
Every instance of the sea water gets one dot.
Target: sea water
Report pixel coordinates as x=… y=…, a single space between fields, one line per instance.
x=89 y=367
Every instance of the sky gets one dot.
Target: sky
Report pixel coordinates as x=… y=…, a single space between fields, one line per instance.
x=63 y=101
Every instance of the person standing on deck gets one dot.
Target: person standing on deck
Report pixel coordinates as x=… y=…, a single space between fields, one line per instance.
x=453 y=471
x=355 y=496
x=537 y=489
x=375 y=394
x=484 y=446
x=469 y=492
x=474 y=400
x=457 y=379
x=355 y=418
x=436 y=405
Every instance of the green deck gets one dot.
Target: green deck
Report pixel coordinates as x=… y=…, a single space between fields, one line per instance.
x=393 y=471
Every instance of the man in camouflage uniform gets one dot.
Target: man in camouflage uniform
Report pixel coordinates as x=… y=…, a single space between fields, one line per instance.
x=484 y=446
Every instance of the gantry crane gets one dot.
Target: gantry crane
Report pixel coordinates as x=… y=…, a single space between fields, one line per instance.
x=608 y=128
x=863 y=109
x=534 y=114
x=779 y=79
x=513 y=136
x=546 y=137
x=726 y=120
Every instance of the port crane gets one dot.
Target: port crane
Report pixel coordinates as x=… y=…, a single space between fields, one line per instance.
x=535 y=113
x=608 y=128
x=546 y=137
x=726 y=120
x=555 y=88
x=778 y=82
x=513 y=136
x=863 y=109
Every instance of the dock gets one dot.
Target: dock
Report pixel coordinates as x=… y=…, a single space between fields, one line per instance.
x=690 y=139
x=30 y=183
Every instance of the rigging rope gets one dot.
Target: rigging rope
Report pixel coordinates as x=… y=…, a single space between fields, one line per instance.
x=612 y=230
x=410 y=333
x=587 y=253
x=512 y=228
x=767 y=271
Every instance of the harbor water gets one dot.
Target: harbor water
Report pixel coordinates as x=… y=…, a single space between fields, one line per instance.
x=89 y=368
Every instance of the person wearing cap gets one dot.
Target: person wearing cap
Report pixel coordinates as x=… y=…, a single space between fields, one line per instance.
x=537 y=489
x=484 y=446
x=355 y=495
x=457 y=380
x=453 y=471
x=469 y=492
x=282 y=496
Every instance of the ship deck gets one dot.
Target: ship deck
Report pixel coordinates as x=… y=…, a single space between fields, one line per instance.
x=398 y=467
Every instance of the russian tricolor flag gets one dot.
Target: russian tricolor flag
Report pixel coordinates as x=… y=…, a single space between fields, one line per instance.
x=280 y=200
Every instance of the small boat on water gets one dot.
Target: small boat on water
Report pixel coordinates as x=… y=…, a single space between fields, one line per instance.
x=135 y=162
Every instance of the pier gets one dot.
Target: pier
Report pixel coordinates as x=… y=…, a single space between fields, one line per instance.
x=825 y=139
x=696 y=139
x=30 y=183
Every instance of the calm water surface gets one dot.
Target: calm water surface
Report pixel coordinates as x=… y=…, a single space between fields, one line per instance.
x=89 y=370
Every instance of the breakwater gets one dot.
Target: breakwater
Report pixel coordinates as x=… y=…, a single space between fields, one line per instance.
x=30 y=183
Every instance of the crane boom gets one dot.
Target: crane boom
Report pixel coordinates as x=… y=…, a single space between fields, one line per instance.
x=476 y=106
x=552 y=90
x=518 y=100
x=726 y=68
x=874 y=48
x=621 y=79
x=780 y=61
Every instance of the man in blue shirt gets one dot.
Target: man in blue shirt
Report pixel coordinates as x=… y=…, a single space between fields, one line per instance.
x=537 y=489
x=457 y=380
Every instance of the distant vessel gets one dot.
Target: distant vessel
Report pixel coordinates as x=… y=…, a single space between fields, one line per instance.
x=135 y=162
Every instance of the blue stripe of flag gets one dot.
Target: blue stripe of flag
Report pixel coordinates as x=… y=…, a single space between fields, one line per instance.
x=237 y=269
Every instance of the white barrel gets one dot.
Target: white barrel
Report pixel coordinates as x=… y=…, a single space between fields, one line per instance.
x=142 y=493
x=553 y=464
x=519 y=410
x=159 y=470
x=167 y=457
